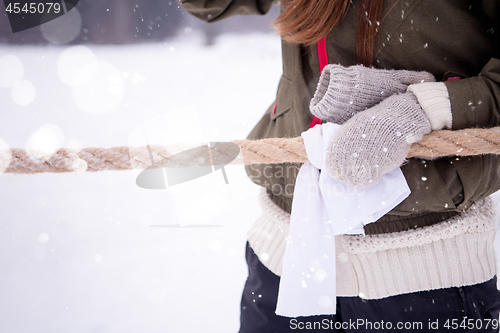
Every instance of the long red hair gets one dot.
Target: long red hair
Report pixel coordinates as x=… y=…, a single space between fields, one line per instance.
x=308 y=21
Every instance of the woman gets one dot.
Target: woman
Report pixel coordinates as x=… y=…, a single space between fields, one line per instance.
x=429 y=264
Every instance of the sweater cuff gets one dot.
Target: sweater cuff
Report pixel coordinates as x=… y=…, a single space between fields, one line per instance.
x=434 y=99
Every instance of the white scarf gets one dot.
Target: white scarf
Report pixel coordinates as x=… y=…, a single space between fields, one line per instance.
x=322 y=208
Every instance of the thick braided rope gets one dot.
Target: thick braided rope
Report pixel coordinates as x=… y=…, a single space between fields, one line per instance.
x=266 y=151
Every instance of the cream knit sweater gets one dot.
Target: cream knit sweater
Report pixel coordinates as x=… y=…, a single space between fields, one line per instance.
x=452 y=253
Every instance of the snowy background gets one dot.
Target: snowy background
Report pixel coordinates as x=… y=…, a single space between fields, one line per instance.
x=92 y=252
x=89 y=252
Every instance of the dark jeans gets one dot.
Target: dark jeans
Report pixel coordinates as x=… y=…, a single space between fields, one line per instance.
x=465 y=309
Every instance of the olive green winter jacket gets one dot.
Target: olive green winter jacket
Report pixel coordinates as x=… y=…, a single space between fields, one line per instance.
x=446 y=38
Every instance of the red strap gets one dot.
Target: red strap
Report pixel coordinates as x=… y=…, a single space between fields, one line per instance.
x=315 y=121
x=323 y=61
x=322 y=55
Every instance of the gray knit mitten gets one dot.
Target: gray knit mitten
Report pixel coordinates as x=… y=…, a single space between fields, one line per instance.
x=344 y=91
x=375 y=142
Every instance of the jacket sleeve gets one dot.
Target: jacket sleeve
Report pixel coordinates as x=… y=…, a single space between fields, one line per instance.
x=475 y=101
x=216 y=10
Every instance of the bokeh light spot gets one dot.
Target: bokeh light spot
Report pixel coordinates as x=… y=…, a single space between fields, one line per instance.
x=5 y=156
x=43 y=238
x=46 y=140
x=79 y=165
x=104 y=91
x=63 y=29
x=71 y=63
x=23 y=93
x=11 y=71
